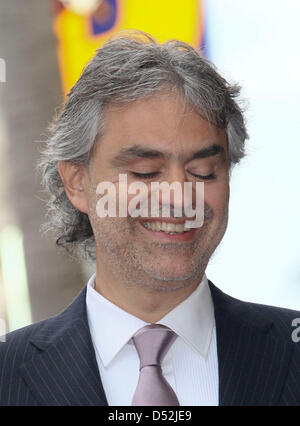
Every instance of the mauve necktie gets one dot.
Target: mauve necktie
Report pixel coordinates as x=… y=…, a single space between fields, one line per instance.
x=152 y=343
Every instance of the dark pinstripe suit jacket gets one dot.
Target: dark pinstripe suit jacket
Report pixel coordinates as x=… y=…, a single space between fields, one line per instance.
x=53 y=362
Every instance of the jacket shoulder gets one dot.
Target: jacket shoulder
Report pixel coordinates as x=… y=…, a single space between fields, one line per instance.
x=15 y=347
x=18 y=349
x=285 y=321
x=22 y=343
x=281 y=321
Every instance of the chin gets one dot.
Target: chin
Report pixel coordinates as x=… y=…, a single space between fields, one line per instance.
x=171 y=273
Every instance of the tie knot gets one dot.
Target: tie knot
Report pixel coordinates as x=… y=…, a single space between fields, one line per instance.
x=152 y=342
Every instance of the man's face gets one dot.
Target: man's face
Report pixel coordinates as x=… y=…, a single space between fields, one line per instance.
x=154 y=140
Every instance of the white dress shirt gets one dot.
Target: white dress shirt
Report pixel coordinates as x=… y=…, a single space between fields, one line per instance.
x=191 y=364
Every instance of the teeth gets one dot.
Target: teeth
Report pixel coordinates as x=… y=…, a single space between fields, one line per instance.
x=169 y=228
x=179 y=227
x=163 y=226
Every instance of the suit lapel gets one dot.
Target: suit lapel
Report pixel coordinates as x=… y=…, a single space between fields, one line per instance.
x=252 y=364
x=64 y=371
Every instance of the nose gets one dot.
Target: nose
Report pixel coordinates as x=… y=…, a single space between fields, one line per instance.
x=172 y=189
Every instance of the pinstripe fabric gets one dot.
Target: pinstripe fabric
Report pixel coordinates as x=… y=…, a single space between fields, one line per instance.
x=259 y=364
x=53 y=362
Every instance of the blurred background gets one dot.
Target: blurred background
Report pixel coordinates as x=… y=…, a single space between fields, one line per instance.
x=44 y=44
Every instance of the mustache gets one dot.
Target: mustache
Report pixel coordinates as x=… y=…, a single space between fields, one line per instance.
x=208 y=213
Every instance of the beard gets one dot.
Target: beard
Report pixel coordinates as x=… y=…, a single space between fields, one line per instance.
x=157 y=266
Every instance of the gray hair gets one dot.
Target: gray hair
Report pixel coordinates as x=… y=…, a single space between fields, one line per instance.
x=124 y=69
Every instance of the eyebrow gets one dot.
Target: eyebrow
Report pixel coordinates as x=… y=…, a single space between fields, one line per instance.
x=210 y=151
x=138 y=151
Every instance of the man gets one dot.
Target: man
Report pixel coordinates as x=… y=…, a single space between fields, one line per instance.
x=149 y=328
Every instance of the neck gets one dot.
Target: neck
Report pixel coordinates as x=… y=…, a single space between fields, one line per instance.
x=147 y=303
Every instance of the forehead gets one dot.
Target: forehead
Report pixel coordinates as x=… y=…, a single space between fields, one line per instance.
x=163 y=122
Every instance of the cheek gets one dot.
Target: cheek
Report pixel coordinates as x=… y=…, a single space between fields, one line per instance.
x=139 y=200
x=217 y=197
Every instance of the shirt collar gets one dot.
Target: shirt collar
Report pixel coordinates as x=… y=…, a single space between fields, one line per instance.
x=111 y=327
x=193 y=319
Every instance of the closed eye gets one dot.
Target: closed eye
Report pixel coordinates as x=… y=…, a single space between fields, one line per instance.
x=153 y=174
x=203 y=177
x=144 y=175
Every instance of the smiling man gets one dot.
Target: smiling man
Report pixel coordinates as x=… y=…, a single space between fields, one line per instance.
x=149 y=328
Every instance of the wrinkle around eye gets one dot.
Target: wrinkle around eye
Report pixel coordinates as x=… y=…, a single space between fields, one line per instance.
x=149 y=175
x=209 y=176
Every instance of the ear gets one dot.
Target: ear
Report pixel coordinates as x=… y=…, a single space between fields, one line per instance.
x=74 y=179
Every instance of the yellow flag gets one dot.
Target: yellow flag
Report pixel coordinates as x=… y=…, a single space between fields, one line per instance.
x=80 y=35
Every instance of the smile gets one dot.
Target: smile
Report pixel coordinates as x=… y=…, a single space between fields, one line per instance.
x=166 y=227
